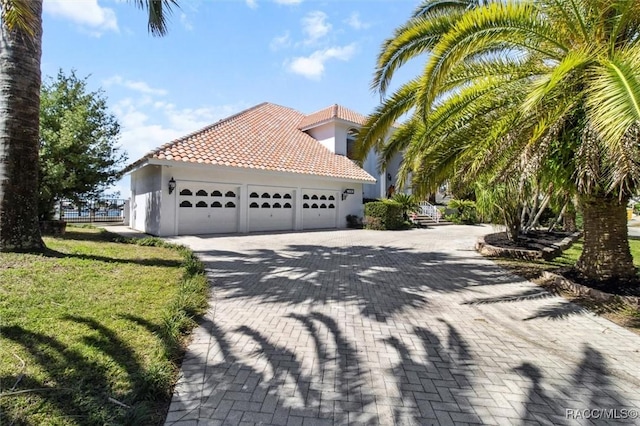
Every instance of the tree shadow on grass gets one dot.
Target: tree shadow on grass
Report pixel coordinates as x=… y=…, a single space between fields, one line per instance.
x=79 y=385
x=105 y=259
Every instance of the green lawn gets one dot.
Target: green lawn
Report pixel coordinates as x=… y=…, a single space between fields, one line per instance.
x=92 y=326
x=570 y=256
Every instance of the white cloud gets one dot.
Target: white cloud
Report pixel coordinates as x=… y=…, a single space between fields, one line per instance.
x=184 y=20
x=138 y=86
x=315 y=26
x=146 y=126
x=89 y=15
x=280 y=42
x=288 y=2
x=253 y=4
x=354 y=22
x=312 y=66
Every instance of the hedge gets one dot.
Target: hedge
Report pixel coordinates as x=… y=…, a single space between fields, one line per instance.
x=383 y=215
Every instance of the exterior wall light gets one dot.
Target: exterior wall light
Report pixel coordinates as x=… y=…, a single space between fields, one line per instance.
x=346 y=192
x=172 y=185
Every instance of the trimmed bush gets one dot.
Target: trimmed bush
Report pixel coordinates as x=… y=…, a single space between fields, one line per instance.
x=464 y=212
x=382 y=215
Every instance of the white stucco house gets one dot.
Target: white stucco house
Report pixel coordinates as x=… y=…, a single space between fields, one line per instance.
x=268 y=168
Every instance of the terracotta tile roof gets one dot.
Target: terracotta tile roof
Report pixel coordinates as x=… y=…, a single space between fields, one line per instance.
x=264 y=137
x=334 y=111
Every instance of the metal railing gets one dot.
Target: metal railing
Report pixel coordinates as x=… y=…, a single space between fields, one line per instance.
x=428 y=209
x=92 y=211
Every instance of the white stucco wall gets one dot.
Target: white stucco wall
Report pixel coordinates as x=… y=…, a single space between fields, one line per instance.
x=326 y=135
x=150 y=189
x=146 y=194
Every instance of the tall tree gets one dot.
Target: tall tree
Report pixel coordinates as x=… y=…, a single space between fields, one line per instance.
x=79 y=156
x=20 y=55
x=512 y=85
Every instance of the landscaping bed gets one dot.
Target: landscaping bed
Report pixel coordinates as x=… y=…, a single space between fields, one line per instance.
x=611 y=300
x=92 y=331
x=534 y=245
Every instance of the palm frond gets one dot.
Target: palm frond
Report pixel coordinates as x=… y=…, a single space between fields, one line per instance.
x=614 y=95
x=380 y=123
x=20 y=15
x=158 y=11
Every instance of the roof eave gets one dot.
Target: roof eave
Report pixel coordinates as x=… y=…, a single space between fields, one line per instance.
x=329 y=120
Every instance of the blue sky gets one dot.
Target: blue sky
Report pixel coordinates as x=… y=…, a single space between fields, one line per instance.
x=219 y=58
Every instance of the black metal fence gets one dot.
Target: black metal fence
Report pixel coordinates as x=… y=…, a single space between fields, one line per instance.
x=92 y=211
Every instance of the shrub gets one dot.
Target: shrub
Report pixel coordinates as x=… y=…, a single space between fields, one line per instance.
x=464 y=212
x=354 y=221
x=408 y=204
x=383 y=215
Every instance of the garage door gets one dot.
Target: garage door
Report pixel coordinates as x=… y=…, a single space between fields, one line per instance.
x=319 y=209
x=207 y=209
x=270 y=209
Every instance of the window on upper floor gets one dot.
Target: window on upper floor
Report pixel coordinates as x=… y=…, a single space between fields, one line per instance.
x=351 y=142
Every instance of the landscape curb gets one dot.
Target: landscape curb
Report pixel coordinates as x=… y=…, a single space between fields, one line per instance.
x=546 y=253
x=582 y=290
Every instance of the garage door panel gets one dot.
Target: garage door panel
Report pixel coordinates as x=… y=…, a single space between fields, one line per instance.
x=271 y=209
x=207 y=209
x=319 y=209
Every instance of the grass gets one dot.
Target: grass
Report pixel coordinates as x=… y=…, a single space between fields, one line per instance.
x=92 y=330
x=615 y=311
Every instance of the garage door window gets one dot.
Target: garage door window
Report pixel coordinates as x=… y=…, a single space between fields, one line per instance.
x=186 y=204
x=254 y=195
x=216 y=204
x=230 y=205
x=202 y=204
x=202 y=193
x=254 y=206
x=186 y=192
x=216 y=193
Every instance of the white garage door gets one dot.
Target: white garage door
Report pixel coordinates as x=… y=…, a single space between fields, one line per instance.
x=319 y=209
x=207 y=209
x=270 y=209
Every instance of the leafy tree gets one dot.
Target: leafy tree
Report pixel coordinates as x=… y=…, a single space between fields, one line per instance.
x=20 y=55
x=511 y=85
x=78 y=135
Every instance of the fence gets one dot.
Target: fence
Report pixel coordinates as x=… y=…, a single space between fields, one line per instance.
x=92 y=211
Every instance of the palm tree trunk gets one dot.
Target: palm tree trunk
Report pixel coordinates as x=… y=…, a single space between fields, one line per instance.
x=20 y=55
x=606 y=254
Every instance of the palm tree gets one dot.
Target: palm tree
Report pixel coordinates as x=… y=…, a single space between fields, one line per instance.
x=513 y=86
x=20 y=54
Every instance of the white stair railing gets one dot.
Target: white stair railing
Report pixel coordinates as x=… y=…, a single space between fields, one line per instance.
x=428 y=209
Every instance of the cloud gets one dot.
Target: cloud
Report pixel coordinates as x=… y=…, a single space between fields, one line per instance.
x=89 y=16
x=253 y=4
x=184 y=20
x=315 y=26
x=138 y=86
x=146 y=126
x=288 y=2
x=280 y=42
x=312 y=66
x=354 y=22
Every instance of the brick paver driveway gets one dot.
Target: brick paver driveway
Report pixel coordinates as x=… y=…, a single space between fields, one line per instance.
x=413 y=327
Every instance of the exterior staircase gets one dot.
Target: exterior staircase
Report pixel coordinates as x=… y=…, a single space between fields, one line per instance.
x=429 y=215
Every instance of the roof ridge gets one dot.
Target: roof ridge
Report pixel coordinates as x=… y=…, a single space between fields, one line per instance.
x=211 y=126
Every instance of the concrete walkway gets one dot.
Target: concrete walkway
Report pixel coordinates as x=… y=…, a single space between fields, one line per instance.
x=412 y=327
